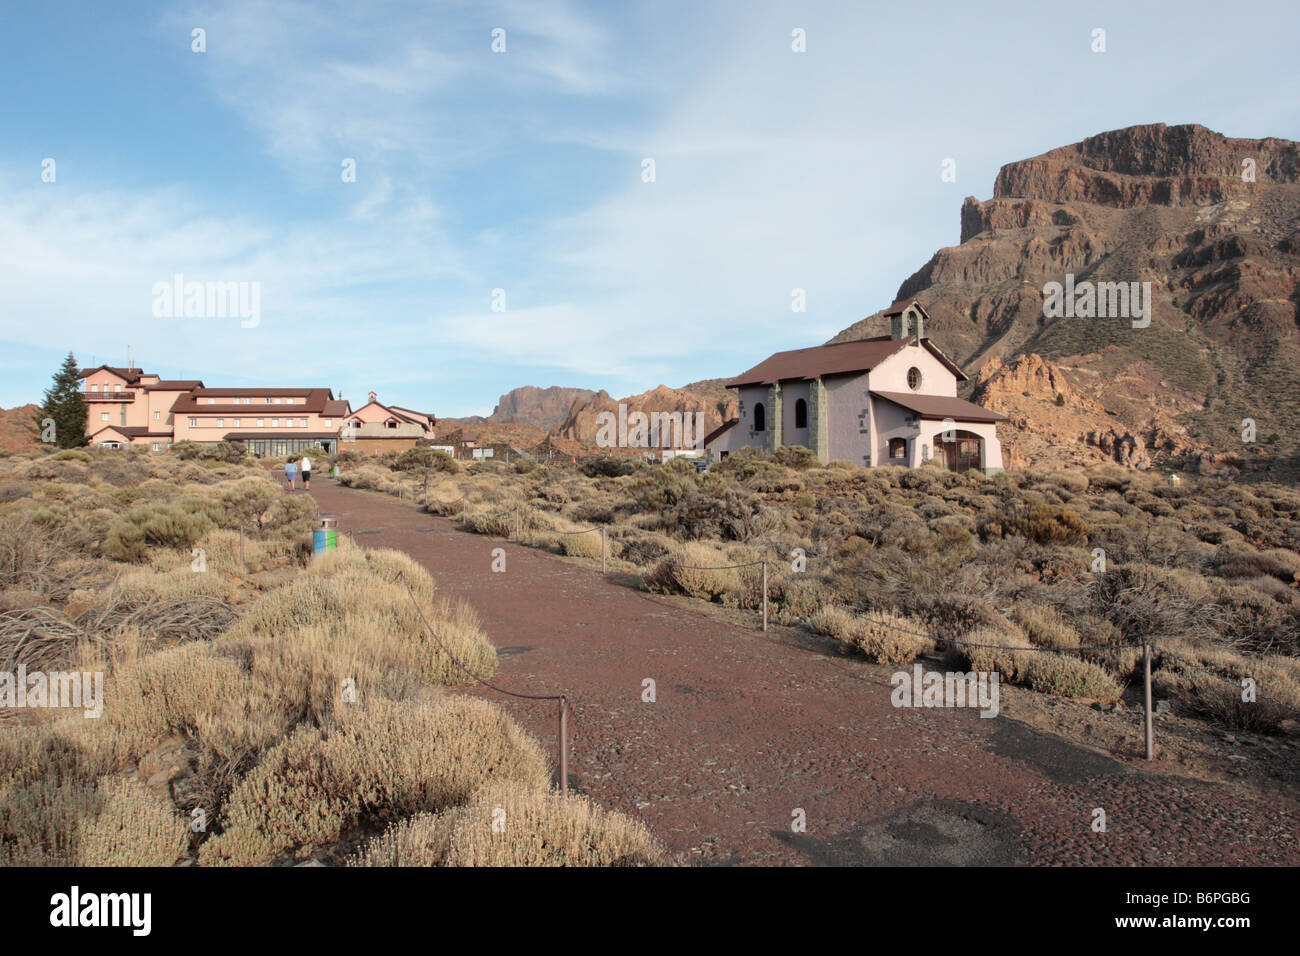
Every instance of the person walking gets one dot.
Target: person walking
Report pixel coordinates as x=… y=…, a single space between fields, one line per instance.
x=305 y=465
x=290 y=472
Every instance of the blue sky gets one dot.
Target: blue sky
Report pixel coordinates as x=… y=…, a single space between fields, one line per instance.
x=522 y=171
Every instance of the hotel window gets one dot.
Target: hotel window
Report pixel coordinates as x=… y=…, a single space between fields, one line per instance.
x=268 y=400
x=103 y=416
x=221 y=423
x=277 y=400
x=194 y=423
x=94 y=388
x=237 y=423
x=275 y=423
x=212 y=401
x=329 y=423
x=117 y=388
x=157 y=416
x=302 y=423
x=261 y=423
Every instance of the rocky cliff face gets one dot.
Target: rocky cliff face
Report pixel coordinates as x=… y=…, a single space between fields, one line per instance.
x=540 y=407
x=1212 y=223
x=581 y=424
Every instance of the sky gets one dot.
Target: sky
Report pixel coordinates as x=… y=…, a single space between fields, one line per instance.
x=503 y=227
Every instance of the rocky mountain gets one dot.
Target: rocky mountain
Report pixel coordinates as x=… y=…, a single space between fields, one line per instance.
x=542 y=408
x=581 y=423
x=1211 y=223
x=17 y=431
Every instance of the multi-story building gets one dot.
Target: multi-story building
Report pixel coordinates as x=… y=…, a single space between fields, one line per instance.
x=128 y=406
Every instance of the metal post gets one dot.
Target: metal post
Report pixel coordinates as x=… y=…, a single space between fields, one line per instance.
x=604 y=565
x=1146 y=676
x=764 y=595
x=564 y=746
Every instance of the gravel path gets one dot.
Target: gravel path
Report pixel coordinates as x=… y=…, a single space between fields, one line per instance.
x=749 y=728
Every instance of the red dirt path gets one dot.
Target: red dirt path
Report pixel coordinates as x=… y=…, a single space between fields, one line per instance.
x=748 y=727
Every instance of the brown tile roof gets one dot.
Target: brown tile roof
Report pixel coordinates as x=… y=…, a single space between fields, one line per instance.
x=428 y=417
x=939 y=407
x=730 y=423
x=901 y=305
x=335 y=408
x=130 y=375
x=860 y=356
x=133 y=431
x=174 y=385
x=196 y=401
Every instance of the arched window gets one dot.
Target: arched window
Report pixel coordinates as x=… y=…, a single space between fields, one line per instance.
x=898 y=448
x=760 y=418
x=913 y=378
x=801 y=414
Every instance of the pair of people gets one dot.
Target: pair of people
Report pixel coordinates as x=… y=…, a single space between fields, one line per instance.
x=291 y=472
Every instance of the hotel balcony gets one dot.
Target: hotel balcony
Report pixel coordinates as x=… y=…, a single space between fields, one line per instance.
x=115 y=397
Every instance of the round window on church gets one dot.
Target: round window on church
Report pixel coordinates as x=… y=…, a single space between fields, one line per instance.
x=914 y=378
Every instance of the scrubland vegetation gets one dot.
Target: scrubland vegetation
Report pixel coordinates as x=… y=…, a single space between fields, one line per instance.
x=903 y=563
x=292 y=708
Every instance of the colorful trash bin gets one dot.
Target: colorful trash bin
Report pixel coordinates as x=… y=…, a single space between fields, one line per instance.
x=324 y=535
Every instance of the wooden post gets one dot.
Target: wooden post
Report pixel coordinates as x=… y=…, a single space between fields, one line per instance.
x=564 y=746
x=764 y=595
x=464 y=510
x=603 y=562
x=1146 y=678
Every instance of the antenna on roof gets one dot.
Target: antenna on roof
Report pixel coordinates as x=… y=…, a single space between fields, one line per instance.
x=129 y=366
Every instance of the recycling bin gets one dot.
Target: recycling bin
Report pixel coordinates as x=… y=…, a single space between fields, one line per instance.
x=324 y=535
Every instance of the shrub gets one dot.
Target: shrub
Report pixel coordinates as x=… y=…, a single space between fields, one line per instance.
x=540 y=829
x=886 y=637
x=377 y=760
x=160 y=525
x=696 y=570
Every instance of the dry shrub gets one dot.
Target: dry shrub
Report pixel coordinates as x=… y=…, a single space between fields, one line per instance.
x=134 y=827
x=497 y=523
x=68 y=823
x=1006 y=651
x=378 y=760
x=345 y=602
x=154 y=525
x=1044 y=626
x=575 y=540
x=884 y=636
x=696 y=570
x=540 y=829
x=443 y=498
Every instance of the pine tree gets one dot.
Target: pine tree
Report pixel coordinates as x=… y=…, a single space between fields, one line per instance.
x=66 y=407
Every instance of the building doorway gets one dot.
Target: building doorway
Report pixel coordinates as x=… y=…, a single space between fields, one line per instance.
x=965 y=452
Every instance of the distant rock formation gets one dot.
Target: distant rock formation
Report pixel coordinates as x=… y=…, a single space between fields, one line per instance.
x=541 y=407
x=581 y=424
